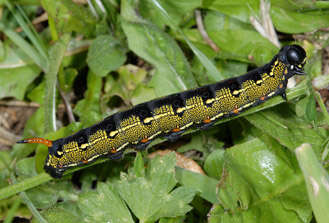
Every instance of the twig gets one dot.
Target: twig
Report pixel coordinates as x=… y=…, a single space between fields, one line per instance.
x=67 y=105
x=265 y=26
x=71 y=52
x=19 y=104
x=8 y=136
x=41 y=18
x=203 y=32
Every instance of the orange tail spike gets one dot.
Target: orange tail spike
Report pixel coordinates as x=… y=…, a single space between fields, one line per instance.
x=46 y=142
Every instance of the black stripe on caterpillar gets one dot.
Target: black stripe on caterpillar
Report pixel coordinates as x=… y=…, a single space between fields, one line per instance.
x=172 y=115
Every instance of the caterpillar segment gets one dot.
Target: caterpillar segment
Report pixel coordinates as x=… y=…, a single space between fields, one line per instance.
x=172 y=115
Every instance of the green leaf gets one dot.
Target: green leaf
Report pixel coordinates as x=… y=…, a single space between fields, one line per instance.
x=103 y=205
x=287 y=129
x=288 y=21
x=70 y=16
x=226 y=32
x=237 y=9
x=205 y=185
x=14 y=81
x=259 y=184
x=170 y=20
x=158 y=48
x=26 y=167
x=156 y=191
x=67 y=212
x=214 y=163
x=317 y=181
x=156 y=10
x=139 y=169
x=130 y=79
x=105 y=55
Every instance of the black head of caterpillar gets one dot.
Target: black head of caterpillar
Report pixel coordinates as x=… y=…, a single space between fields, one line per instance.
x=294 y=57
x=170 y=116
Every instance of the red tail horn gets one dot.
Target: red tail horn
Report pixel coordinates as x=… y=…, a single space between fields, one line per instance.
x=46 y=142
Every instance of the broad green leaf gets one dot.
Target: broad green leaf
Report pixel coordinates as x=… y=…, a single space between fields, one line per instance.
x=258 y=184
x=210 y=67
x=287 y=129
x=88 y=108
x=105 y=55
x=130 y=77
x=317 y=181
x=14 y=57
x=103 y=205
x=25 y=167
x=139 y=169
x=158 y=48
x=70 y=16
x=172 y=220
x=203 y=184
x=297 y=22
x=238 y=9
x=154 y=10
x=214 y=163
x=65 y=212
x=156 y=191
x=14 y=81
x=226 y=33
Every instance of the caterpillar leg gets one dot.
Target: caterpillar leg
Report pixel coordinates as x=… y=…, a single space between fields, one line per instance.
x=142 y=146
x=173 y=136
x=284 y=96
x=116 y=156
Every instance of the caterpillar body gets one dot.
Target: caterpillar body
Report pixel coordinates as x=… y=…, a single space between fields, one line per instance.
x=170 y=116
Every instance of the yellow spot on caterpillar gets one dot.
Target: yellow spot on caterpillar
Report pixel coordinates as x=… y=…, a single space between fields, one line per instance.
x=270 y=94
x=123 y=146
x=271 y=74
x=209 y=101
x=186 y=126
x=59 y=153
x=83 y=146
x=113 y=133
x=217 y=116
x=236 y=92
x=147 y=120
x=154 y=135
x=259 y=82
x=276 y=62
x=179 y=110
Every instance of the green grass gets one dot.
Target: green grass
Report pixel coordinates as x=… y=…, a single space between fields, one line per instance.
x=107 y=57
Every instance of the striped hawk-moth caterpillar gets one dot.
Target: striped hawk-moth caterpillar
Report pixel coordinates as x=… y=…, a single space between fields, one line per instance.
x=170 y=116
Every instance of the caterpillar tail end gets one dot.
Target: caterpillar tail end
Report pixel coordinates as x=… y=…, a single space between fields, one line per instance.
x=22 y=141
x=43 y=141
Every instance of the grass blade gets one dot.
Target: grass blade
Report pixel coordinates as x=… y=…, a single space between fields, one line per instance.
x=56 y=54
x=317 y=181
x=25 y=46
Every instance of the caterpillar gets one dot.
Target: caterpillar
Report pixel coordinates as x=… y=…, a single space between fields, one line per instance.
x=172 y=115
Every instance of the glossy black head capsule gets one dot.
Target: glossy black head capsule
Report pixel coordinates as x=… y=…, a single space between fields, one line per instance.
x=294 y=57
